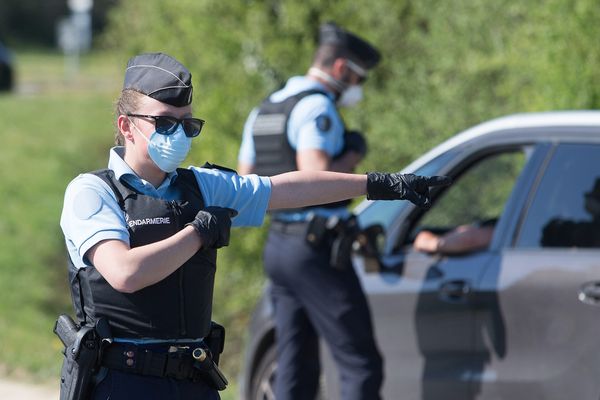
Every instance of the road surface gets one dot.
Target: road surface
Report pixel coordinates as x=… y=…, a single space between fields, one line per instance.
x=18 y=390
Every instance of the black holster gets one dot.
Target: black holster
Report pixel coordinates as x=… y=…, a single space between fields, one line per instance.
x=215 y=341
x=82 y=355
x=337 y=233
x=345 y=233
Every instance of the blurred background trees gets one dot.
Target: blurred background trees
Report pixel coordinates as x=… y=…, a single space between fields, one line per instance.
x=447 y=65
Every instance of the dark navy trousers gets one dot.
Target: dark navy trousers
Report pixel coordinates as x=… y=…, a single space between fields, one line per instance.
x=117 y=385
x=311 y=300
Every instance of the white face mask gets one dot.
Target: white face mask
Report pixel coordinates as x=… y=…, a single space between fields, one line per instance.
x=351 y=96
x=167 y=151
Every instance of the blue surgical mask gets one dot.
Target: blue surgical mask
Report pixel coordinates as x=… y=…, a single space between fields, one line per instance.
x=168 y=151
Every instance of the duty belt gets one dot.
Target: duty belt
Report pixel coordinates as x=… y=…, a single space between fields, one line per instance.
x=292 y=228
x=193 y=362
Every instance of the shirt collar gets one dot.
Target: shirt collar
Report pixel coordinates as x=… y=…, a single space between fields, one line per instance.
x=123 y=171
x=303 y=83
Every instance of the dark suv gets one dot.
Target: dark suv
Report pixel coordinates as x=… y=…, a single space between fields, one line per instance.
x=515 y=320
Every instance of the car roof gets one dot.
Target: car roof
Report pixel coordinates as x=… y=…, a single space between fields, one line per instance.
x=553 y=126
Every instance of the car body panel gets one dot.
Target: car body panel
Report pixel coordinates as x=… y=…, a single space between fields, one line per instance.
x=551 y=336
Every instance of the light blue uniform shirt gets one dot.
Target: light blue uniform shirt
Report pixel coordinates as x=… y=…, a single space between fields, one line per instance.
x=91 y=212
x=314 y=123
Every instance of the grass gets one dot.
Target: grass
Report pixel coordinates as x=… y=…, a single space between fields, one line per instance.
x=55 y=126
x=42 y=145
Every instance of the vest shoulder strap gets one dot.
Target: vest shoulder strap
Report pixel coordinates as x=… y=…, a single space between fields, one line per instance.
x=187 y=179
x=121 y=191
x=286 y=105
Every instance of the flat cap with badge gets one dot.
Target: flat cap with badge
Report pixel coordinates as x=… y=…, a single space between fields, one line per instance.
x=161 y=77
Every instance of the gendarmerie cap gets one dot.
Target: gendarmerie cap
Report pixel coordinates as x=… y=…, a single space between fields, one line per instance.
x=161 y=77
x=365 y=53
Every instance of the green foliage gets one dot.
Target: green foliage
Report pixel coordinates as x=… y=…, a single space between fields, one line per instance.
x=446 y=66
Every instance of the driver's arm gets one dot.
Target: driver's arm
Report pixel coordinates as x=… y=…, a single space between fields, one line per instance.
x=462 y=239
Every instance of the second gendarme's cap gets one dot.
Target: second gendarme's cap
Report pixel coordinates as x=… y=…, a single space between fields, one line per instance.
x=161 y=77
x=363 y=52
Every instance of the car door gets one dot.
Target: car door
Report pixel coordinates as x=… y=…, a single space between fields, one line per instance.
x=547 y=285
x=422 y=304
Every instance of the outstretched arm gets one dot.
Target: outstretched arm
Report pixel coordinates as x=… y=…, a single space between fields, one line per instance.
x=305 y=188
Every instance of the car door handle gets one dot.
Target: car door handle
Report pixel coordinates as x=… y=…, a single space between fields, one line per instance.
x=454 y=291
x=590 y=293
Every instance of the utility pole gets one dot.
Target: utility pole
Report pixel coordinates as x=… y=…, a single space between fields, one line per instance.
x=75 y=34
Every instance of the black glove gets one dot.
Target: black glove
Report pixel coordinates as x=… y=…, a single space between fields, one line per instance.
x=355 y=141
x=414 y=188
x=213 y=225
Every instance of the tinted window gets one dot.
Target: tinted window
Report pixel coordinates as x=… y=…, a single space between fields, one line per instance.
x=565 y=211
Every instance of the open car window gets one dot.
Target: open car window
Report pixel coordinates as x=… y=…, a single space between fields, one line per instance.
x=477 y=197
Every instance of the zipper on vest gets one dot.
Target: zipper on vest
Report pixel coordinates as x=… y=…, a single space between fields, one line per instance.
x=182 y=329
x=176 y=209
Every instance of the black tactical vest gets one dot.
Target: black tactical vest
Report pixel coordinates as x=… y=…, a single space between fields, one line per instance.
x=274 y=154
x=180 y=305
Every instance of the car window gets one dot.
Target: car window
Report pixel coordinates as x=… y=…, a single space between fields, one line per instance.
x=477 y=196
x=565 y=211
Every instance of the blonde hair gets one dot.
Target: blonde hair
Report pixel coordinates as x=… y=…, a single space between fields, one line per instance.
x=128 y=102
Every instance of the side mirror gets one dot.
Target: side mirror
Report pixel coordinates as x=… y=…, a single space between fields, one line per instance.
x=368 y=245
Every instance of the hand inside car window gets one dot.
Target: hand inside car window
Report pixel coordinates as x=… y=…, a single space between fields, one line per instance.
x=462 y=239
x=462 y=219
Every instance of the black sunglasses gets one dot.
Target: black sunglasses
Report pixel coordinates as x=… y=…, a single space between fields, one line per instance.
x=166 y=125
x=358 y=70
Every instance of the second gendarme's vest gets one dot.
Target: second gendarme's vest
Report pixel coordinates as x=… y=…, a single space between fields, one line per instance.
x=180 y=305
x=274 y=154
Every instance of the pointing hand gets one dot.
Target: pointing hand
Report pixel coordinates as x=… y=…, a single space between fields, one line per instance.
x=396 y=186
